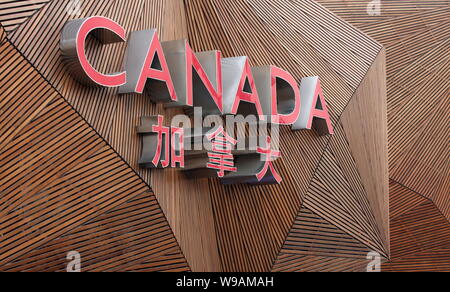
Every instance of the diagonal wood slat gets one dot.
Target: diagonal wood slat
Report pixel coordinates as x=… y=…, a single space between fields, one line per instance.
x=415 y=34
x=421 y=228
x=2 y=34
x=311 y=234
x=15 y=13
x=116 y=117
x=312 y=263
x=59 y=178
x=342 y=181
x=246 y=227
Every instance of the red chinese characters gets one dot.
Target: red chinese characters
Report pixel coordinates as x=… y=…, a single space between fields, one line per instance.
x=177 y=147
x=173 y=74
x=268 y=156
x=162 y=146
x=221 y=158
x=163 y=133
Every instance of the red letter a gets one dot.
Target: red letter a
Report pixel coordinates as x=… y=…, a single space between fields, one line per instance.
x=146 y=60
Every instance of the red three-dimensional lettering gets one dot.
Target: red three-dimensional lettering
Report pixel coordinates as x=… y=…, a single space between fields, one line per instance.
x=73 y=47
x=278 y=118
x=193 y=62
x=319 y=110
x=155 y=51
x=177 y=145
x=243 y=95
x=314 y=110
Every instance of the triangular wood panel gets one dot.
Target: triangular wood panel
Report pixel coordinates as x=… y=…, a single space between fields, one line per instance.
x=424 y=166
x=421 y=229
x=240 y=228
x=367 y=144
x=133 y=236
x=415 y=34
x=312 y=235
x=14 y=13
x=302 y=263
x=63 y=188
x=332 y=197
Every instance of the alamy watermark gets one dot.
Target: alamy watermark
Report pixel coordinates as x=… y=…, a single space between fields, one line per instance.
x=374 y=8
x=74 y=265
x=250 y=131
x=74 y=8
x=374 y=265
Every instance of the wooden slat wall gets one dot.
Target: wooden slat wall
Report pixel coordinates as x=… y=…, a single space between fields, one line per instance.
x=416 y=37
x=14 y=13
x=368 y=143
x=131 y=237
x=420 y=233
x=239 y=228
x=355 y=11
x=302 y=263
x=2 y=34
x=311 y=234
x=429 y=261
x=186 y=203
x=253 y=222
x=421 y=227
x=401 y=200
x=338 y=187
x=63 y=188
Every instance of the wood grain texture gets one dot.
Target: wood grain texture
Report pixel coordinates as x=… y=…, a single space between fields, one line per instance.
x=429 y=261
x=355 y=158
x=302 y=263
x=14 y=13
x=305 y=39
x=63 y=188
x=131 y=237
x=420 y=229
x=369 y=144
x=2 y=34
x=420 y=233
x=219 y=228
x=312 y=235
x=416 y=37
x=186 y=203
x=355 y=11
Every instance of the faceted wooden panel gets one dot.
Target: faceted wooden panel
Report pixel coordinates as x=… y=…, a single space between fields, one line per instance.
x=14 y=13
x=311 y=234
x=186 y=203
x=2 y=35
x=420 y=233
x=253 y=222
x=420 y=228
x=415 y=34
x=367 y=141
x=63 y=188
x=240 y=228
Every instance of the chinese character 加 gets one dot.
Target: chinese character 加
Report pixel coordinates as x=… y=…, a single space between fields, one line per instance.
x=168 y=137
